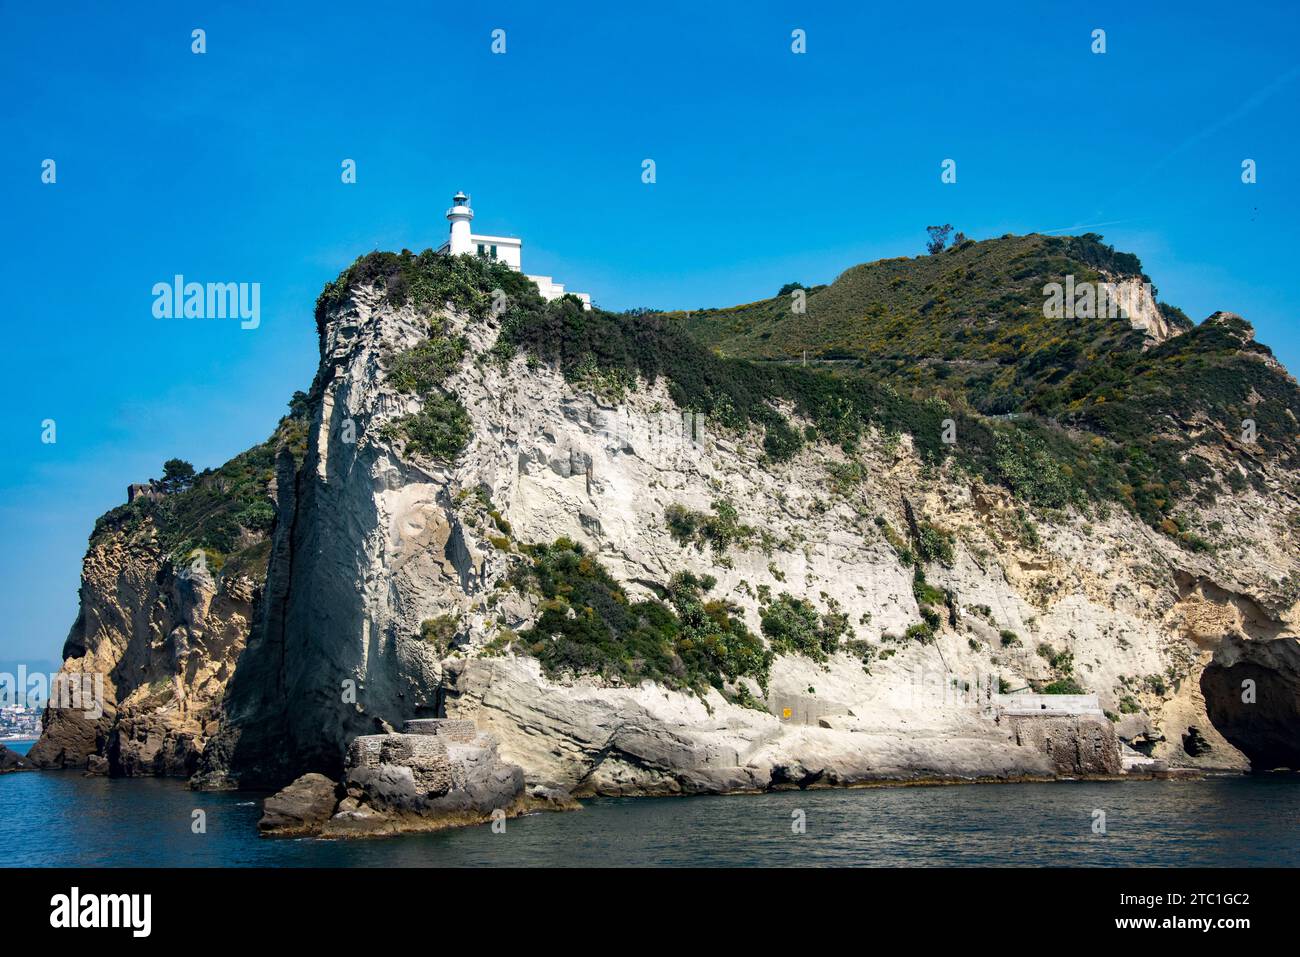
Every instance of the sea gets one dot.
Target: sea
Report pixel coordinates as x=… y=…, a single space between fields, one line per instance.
x=62 y=818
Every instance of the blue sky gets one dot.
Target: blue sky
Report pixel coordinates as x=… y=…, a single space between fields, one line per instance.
x=771 y=167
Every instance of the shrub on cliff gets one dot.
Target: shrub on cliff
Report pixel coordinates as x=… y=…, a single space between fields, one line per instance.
x=719 y=530
x=588 y=625
x=429 y=281
x=439 y=632
x=440 y=430
x=793 y=626
x=422 y=368
x=933 y=544
x=1064 y=686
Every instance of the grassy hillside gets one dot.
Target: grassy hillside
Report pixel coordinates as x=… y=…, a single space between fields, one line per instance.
x=968 y=319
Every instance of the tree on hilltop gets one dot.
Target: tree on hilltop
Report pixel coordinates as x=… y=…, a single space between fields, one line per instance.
x=178 y=475
x=938 y=238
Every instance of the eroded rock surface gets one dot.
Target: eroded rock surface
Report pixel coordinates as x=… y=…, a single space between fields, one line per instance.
x=301 y=808
x=434 y=774
x=149 y=656
x=11 y=760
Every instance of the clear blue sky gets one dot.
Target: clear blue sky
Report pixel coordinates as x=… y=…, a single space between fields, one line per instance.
x=771 y=167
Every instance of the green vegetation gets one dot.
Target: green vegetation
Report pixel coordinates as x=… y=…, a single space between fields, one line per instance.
x=428 y=281
x=1061 y=662
x=794 y=627
x=1009 y=638
x=924 y=592
x=922 y=632
x=440 y=430
x=439 y=632
x=845 y=476
x=735 y=394
x=588 y=625
x=971 y=312
x=421 y=369
x=896 y=541
x=720 y=530
x=1156 y=685
x=1066 y=685
x=178 y=475
x=929 y=599
x=609 y=384
x=933 y=544
x=1032 y=472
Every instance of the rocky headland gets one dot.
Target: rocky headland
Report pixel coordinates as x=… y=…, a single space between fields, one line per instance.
x=634 y=555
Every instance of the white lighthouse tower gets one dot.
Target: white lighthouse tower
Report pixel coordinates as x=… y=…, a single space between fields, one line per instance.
x=460 y=215
x=504 y=249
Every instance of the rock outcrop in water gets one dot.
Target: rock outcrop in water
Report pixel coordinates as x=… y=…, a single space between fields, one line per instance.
x=300 y=809
x=435 y=774
x=11 y=760
x=896 y=589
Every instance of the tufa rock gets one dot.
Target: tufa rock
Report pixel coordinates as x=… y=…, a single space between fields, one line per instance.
x=445 y=774
x=301 y=808
x=11 y=760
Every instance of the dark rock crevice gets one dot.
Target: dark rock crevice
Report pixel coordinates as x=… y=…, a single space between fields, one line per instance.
x=1252 y=696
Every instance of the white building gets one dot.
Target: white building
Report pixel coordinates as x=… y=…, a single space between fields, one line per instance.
x=508 y=249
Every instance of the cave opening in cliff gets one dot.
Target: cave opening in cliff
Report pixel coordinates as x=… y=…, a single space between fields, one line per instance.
x=1255 y=704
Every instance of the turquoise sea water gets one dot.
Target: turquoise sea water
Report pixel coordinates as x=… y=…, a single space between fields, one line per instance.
x=63 y=818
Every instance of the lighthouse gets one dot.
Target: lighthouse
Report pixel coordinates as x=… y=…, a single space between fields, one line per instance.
x=504 y=249
x=460 y=215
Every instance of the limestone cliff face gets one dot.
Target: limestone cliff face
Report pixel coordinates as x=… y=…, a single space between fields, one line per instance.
x=371 y=541
x=159 y=643
x=1134 y=301
x=366 y=547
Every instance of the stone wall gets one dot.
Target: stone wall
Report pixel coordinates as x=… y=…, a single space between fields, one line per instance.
x=462 y=732
x=1074 y=745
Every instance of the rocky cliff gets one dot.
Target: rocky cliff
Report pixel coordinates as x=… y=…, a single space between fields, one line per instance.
x=644 y=568
x=170 y=589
